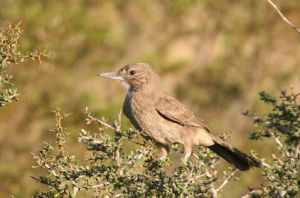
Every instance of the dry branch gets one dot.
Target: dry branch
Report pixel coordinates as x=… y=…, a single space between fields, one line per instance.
x=283 y=17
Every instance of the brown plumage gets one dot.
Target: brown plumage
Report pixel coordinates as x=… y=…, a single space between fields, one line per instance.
x=167 y=120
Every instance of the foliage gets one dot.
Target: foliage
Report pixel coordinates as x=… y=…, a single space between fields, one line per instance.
x=112 y=171
x=9 y=54
x=282 y=124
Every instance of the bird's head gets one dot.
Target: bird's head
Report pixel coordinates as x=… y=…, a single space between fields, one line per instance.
x=135 y=76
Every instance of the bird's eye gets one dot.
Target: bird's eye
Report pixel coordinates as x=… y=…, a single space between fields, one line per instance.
x=132 y=72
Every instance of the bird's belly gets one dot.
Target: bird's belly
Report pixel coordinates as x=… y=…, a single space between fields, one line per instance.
x=162 y=131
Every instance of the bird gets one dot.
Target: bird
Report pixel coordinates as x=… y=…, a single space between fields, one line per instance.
x=167 y=120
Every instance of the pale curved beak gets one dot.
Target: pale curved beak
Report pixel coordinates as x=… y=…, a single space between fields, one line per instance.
x=111 y=75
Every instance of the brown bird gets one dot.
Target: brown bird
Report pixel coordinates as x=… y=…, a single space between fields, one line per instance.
x=167 y=120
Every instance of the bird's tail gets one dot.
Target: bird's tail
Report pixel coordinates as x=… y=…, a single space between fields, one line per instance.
x=233 y=155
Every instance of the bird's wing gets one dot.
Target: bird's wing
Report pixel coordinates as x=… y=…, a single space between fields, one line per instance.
x=172 y=110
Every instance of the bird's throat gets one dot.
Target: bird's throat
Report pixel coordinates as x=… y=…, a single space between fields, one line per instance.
x=125 y=84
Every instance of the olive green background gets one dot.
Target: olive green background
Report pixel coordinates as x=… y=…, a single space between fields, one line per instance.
x=214 y=56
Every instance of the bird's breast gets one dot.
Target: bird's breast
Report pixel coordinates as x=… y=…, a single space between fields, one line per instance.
x=130 y=111
x=140 y=110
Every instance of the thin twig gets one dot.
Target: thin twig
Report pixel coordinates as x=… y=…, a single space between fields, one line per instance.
x=276 y=139
x=277 y=159
x=99 y=121
x=211 y=185
x=90 y=141
x=228 y=178
x=136 y=157
x=208 y=174
x=283 y=17
x=265 y=164
x=61 y=129
x=251 y=191
x=119 y=121
x=213 y=190
x=195 y=156
x=189 y=178
x=14 y=95
x=214 y=163
x=279 y=143
x=46 y=165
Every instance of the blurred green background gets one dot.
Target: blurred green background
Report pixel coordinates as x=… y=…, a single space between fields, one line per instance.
x=214 y=56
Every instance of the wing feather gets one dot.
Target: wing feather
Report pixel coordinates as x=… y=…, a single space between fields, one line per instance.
x=173 y=110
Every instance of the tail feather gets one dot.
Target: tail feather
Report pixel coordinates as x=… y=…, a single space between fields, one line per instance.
x=233 y=155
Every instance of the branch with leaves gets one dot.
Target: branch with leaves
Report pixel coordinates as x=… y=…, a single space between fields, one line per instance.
x=282 y=125
x=125 y=163
x=9 y=54
x=112 y=170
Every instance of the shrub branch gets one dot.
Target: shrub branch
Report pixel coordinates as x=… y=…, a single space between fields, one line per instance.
x=283 y=17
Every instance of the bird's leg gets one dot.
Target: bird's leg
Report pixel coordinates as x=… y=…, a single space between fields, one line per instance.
x=187 y=152
x=164 y=149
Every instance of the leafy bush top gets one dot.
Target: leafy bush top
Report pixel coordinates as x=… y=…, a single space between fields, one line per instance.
x=9 y=54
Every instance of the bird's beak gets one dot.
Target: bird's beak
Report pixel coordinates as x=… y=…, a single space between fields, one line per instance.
x=111 y=75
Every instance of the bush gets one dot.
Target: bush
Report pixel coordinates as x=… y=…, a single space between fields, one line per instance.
x=282 y=124
x=112 y=171
x=10 y=54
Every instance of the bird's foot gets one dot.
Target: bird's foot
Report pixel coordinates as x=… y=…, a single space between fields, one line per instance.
x=186 y=157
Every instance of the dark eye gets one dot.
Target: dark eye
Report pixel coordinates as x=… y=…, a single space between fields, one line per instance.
x=132 y=72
